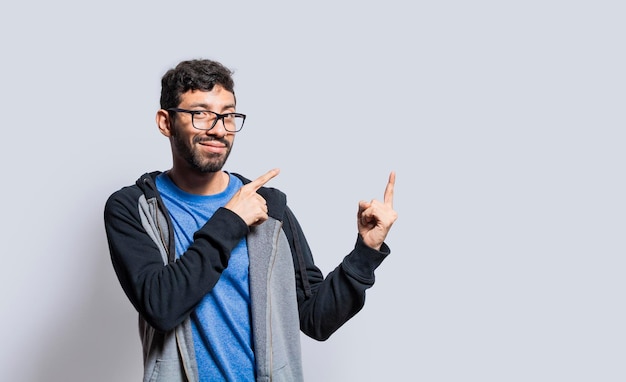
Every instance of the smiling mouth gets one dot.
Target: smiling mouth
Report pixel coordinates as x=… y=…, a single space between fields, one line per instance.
x=213 y=142
x=213 y=146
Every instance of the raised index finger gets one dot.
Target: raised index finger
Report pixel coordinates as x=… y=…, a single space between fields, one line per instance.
x=388 y=198
x=261 y=180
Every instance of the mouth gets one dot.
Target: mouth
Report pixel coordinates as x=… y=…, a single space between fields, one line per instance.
x=214 y=145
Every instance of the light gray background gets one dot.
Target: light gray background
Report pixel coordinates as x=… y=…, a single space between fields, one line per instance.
x=504 y=121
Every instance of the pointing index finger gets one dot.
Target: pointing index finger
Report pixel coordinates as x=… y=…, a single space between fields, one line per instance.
x=388 y=198
x=261 y=180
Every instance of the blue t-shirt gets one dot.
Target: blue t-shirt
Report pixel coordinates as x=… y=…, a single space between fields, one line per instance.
x=221 y=322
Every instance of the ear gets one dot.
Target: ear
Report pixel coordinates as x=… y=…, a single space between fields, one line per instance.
x=164 y=122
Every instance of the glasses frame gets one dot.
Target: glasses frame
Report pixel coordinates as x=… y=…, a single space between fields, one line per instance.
x=218 y=117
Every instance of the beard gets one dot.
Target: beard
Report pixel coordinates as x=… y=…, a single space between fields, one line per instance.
x=201 y=161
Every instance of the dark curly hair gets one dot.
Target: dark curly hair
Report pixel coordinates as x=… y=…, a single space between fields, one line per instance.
x=193 y=75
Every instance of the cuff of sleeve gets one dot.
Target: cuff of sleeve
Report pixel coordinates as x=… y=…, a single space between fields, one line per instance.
x=226 y=225
x=363 y=260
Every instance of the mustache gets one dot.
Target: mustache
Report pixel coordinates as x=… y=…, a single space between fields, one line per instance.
x=208 y=139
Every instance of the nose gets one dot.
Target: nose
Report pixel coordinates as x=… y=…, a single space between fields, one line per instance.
x=219 y=129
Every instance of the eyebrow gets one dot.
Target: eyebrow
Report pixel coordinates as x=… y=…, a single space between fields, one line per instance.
x=206 y=106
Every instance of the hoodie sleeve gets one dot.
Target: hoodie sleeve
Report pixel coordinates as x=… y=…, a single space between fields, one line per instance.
x=326 y=303
x=165 y=294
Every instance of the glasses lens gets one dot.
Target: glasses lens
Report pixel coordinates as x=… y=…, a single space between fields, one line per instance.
x=203 y=120
x=234 y=122
x=206 y=120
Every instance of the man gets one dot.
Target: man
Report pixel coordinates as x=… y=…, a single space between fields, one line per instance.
x=216 y=265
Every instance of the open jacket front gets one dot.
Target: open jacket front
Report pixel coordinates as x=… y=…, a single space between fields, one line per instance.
x=288 y=292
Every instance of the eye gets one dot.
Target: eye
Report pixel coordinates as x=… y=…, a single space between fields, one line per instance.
x=203 y=115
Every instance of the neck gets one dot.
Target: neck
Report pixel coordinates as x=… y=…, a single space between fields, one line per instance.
x=199 y=183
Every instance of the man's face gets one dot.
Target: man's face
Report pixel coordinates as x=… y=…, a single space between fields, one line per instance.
x=203 y=150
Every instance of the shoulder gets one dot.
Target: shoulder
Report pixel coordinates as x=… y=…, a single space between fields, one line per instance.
x=129 y=195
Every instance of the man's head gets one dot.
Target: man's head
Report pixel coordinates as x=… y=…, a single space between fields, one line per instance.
x=190 y=88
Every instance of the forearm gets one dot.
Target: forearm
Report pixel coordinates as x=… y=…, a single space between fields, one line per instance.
x=341 y=294
x=165 y=294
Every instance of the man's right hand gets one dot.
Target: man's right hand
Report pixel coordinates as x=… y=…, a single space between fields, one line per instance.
x=248 y=204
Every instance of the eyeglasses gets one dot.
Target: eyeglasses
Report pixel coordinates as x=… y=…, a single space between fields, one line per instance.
x=206 y=119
